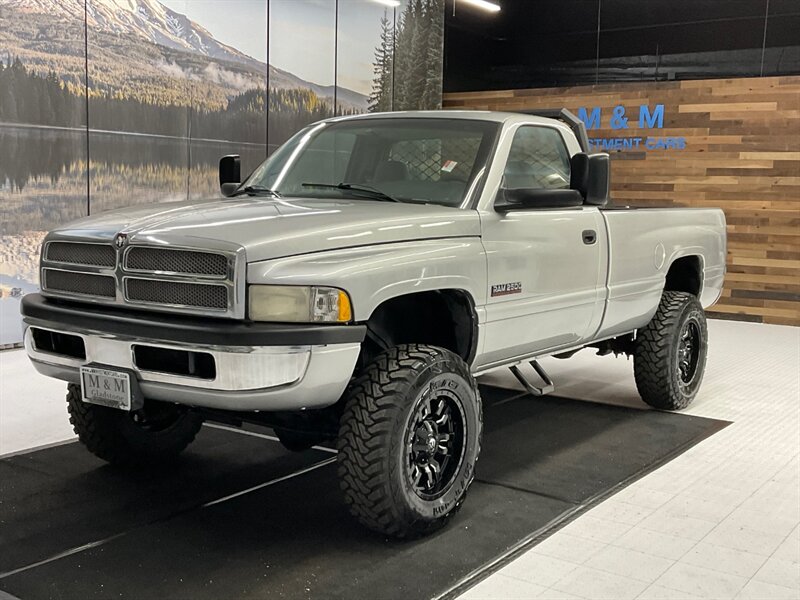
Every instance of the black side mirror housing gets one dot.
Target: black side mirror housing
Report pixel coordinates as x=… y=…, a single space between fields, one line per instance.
x=230 y=173
x=590 y=174
x=228 y=189
x=522 y=198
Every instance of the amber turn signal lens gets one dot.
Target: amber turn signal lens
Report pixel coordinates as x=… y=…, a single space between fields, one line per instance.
x=345 y=310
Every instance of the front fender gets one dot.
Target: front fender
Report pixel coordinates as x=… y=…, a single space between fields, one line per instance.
x=374 y=274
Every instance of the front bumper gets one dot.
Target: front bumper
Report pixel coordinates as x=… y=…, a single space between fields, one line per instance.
x=258 y=366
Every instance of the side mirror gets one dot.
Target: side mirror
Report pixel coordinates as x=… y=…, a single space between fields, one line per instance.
x=521 y=198
x=590 y=174
x=230 y=174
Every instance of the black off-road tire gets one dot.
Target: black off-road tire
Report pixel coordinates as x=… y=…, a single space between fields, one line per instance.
x=115 y=436
x=378 y=433
x=657 y=357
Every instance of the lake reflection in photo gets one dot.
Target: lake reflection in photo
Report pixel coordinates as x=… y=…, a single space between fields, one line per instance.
x=45 y=177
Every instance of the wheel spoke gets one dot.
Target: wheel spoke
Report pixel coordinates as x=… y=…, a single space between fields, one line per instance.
x=440 y=407
x=426 y=407
x=433 y=469
x=429 y=477
x=416 y=475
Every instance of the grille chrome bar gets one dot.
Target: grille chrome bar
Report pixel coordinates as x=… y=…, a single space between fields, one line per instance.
x=82 y=284
x=81 y=253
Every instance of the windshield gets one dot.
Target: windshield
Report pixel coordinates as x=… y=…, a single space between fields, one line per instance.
x=427 y=160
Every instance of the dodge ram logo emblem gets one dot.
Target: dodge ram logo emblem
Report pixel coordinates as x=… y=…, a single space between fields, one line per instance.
x=121 y=240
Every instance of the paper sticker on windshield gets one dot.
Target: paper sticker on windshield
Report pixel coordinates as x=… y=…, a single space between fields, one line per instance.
x=449 y=165
x=504 y=289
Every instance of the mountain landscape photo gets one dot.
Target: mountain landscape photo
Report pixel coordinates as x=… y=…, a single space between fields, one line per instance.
x=163 y=43
x=108 y=103
x=143 y=53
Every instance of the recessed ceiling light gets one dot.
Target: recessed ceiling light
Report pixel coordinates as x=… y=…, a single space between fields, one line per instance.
x=483 y=4
x=392 y=3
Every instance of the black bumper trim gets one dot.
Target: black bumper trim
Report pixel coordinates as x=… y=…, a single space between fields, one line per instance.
x=42 y=312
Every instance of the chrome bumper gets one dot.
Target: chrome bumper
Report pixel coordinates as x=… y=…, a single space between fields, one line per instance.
x=248 y=378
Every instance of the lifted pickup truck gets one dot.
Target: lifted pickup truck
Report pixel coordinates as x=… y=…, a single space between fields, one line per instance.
x=353 y=287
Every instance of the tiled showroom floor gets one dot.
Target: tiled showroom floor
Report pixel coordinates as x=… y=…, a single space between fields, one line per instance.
x=720 y=521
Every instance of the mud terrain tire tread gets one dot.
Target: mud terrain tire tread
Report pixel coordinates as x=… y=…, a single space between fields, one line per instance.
x=374 y=403
x=654 y=367
x=100 y=429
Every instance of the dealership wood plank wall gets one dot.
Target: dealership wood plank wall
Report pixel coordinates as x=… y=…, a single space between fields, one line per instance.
x=742 y=154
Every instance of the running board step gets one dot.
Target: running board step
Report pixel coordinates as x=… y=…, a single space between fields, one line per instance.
x=548 y=386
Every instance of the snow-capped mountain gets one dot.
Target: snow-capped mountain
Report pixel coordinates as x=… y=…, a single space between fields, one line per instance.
x=148 y=19
x=156 y=23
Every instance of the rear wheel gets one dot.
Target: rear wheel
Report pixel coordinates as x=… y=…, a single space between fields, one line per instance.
x=157 y=432
x=670 y=353
x=409 y=439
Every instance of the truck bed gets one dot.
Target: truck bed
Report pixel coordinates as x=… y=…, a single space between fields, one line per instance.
x=664 y=235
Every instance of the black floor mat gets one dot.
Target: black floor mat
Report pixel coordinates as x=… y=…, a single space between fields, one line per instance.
x=150 y=535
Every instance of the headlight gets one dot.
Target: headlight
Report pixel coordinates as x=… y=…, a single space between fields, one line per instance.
x=298 y=304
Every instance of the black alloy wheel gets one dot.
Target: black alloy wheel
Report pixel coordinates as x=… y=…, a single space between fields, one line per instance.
x=689 y=351
x=435 y=443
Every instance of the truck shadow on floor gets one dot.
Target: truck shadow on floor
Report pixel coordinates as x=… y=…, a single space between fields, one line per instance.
x=542 y=458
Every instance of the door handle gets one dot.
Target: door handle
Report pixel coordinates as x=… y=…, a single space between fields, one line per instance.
x=589 y=236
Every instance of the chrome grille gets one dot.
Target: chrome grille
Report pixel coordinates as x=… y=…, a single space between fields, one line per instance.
x=158 y=291
x=96 y=255
x=190 y=262
x=84 y=284
x=168 y=279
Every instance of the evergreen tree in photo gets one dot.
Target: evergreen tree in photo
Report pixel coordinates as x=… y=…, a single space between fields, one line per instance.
x=8 y=102
x=432 y=94
x=415 y=77
x=380 y=99
x=417 y=58
x=404 y=58
x=30 y=98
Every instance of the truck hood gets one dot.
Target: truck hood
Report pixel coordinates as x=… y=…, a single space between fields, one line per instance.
x=269 y=228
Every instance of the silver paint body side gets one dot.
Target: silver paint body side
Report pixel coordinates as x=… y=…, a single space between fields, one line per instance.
x=572 y=293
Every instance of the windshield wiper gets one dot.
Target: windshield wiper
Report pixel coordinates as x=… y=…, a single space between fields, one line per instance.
x=358 y=188
x=256 y=190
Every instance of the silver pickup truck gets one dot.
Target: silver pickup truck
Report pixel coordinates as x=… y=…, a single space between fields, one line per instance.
x=355 y=284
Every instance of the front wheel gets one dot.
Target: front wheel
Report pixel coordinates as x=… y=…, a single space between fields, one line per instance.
x=408 y=441
x=157 y=432
x=670 y=353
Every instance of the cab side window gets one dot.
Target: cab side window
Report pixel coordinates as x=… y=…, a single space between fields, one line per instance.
x=538 y=160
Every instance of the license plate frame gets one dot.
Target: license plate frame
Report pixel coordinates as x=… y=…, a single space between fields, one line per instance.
x=104 y=386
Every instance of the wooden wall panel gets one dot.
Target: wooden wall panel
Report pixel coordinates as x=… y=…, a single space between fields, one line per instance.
x=742 y=155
